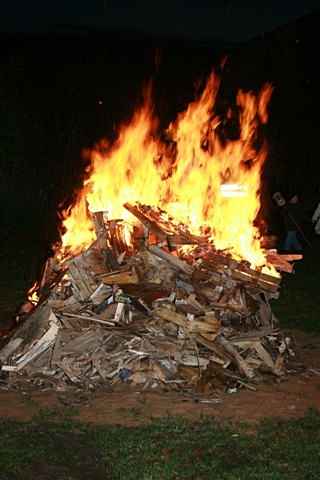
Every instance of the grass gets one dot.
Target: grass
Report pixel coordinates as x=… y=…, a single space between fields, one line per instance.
x=167 y=449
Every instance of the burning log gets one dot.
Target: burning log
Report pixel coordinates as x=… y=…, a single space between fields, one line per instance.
x=164 y=229
x=149 y=224
x=115 y=238
x=281 y=262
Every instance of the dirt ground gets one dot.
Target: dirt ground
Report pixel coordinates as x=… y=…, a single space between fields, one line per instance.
x=290 y=398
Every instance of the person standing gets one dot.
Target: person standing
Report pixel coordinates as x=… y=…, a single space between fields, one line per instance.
x=292 y=216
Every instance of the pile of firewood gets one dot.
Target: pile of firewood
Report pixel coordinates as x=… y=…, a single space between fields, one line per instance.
x=149 y=315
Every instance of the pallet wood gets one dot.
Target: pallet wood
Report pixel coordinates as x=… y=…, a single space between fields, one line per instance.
x=82 y=281
x=173 y=260
x=240 y=271
x=282 y=261
x=159 y=311
x=87 y=318
x=38 y=348
x=171 y=235
x=241 y=363
x=193 y=326
x=127 y=277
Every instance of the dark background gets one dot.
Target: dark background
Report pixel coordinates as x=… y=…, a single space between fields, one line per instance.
x=65 y=87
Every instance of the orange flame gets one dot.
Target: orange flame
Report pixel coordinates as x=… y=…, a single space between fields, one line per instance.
x=32 y=295
x=78 y=228
x=191 y=183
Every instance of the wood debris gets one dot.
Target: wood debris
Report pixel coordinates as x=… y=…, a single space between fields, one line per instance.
x=150 y=315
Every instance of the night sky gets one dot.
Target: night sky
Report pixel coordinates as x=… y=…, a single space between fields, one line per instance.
x=229 y=20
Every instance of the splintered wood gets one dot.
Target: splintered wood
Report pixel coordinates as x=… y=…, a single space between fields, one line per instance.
x=150 y=316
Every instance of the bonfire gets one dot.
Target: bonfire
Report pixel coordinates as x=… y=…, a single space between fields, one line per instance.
x=161 y=278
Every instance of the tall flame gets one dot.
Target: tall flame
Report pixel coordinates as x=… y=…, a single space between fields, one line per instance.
x=189 y=181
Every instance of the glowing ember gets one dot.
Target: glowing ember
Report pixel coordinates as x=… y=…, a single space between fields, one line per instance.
x=193 y=181
x=33 y=296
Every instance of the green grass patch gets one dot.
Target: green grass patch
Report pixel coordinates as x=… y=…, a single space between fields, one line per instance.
x=167 y=449
x=298 y=305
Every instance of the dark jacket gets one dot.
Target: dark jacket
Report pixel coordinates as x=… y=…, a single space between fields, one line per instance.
x=292 y=215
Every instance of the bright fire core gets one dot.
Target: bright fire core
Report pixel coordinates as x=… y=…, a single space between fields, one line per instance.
x=199 y=178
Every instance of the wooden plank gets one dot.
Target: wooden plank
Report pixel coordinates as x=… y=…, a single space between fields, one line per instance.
x=171 y=316
x=173 y=260
x=253 y=335
x=165 y=230
x=127 y=277
x=264 y=355
x=86 y=317
x=281 y=261
x=216 y=349
x=151 y=225
x=240 y=362
x=10 y=348
x=116 y=238
x=100 y=229
x=82 y=281
x=33 y=326
x=239 y=271
x=38 y=348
